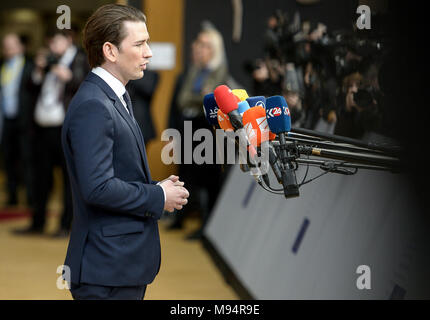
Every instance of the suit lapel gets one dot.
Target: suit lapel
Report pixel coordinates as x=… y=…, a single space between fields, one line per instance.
x=148 y=174
x=92 y=77
x=136 y=132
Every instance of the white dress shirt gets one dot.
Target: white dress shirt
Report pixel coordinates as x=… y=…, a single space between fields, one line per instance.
x=119 y=90
x=113 y=82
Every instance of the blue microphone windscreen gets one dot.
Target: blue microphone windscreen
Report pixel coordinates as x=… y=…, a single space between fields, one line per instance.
x=278 y=114
x=242 y=107
x=257 y=101
x=211 y=108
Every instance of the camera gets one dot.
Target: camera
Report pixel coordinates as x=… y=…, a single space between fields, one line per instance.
x=51 y=60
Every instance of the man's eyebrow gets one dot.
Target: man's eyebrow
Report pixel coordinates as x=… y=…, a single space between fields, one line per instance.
x=141 y=41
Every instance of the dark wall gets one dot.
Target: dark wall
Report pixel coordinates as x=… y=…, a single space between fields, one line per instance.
x=336 y=14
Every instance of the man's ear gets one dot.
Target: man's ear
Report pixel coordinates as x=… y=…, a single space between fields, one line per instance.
x=110 y=52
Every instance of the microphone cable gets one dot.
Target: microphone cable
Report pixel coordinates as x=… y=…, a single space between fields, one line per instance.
x=280 y=191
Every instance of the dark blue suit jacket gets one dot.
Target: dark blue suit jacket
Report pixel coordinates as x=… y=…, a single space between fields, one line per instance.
x=114 y=239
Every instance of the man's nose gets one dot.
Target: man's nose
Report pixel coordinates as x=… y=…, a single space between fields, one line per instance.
x=147 y=53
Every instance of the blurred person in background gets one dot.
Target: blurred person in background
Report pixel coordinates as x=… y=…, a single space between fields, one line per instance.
x=268 y=77
x=293 y=92
x=299 y=65
x=57 y=76
x=322 y=115
x=348 y=109
x=294 y=103
x=320 y=96
x=141 y=92
x=269 y=73
x=358 y=108
x=207 y=71
x=15 y=107
x=312 y=83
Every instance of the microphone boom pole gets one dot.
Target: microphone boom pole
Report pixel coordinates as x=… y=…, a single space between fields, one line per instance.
x=363 y=158
x=342 y=164
x=394 y=150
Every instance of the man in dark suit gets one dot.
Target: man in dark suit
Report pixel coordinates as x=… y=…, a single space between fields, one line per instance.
x=114 y=248
x=15 y=105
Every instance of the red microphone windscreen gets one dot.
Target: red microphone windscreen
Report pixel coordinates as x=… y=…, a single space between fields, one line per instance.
x=256 y=126
x=225 y=99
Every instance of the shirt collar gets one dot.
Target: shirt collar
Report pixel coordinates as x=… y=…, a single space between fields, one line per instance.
x=110 y=79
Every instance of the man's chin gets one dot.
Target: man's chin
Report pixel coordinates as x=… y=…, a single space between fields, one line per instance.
x=138 y=75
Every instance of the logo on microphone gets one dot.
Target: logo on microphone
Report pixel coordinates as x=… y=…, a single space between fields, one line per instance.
x=262 y=124
x=277 y=111
x=260 y=103
x=213 y=113
x=250 y=132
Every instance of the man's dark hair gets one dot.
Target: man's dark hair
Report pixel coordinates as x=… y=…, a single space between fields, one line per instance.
x=106 y=24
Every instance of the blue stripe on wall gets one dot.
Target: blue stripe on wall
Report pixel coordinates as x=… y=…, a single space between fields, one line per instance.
x=300 y=235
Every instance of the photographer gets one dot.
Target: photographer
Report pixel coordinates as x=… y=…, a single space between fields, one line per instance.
x=293 y=92
x=358 y=109
x=269 y=73
x=267 y=77
x=58 y=73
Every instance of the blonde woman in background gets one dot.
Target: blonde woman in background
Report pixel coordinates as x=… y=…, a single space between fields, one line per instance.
x=208 y=69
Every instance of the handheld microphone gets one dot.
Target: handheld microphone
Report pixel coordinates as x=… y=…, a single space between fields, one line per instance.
x=210 y=109
x=224 y=124
x=279 y=120
x=240 y=93
x=257 y=128
x=228 y=104
x=257 y=101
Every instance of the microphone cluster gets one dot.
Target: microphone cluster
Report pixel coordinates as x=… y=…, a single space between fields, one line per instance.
x=258 y=122
x=263 y=128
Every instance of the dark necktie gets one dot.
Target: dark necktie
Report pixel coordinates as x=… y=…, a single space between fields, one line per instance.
x=127 y=100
